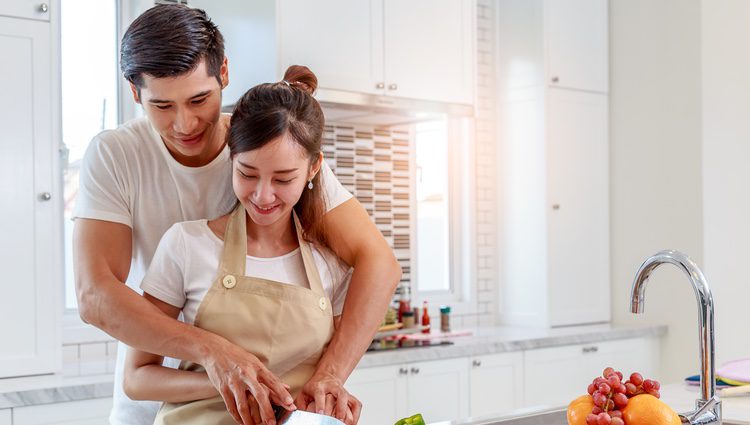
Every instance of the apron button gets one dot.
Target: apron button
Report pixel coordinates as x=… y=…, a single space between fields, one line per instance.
x=229 y=281
x=322 y=303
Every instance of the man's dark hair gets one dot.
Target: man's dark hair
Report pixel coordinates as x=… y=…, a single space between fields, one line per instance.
x=170 y=40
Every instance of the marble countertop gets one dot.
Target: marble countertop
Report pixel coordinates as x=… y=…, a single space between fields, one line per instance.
x=28 y=391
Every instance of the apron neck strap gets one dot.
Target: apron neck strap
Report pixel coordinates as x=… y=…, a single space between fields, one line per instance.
x=234 y=255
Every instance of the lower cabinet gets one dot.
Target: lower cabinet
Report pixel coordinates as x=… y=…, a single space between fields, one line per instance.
x=5 y=417
x=496 y=383
x=439 y=390
x=555 y=376
x=84 y=412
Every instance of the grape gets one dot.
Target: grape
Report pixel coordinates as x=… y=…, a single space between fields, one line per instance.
x=610 y=405
x=592 y=388
x=617 y=421
x=608 y=371
x=636 y=378
x=619 y=374
x=621 y=400
x=620 y=389
x=656 y=385
x=591 y=419
x=654 y=393
x=600 y=399
x=604 y=389
x=613 y=380
x=603 y=419
x=596 y=410
x=630 y=389
x=648 y=385
x=599 y=380
x=615 y=414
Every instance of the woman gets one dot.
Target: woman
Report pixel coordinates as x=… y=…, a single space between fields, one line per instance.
x=260 y=276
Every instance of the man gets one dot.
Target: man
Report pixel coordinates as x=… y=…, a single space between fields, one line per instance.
x=170 y=166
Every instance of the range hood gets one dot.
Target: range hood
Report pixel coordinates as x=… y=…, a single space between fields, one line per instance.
x=347 y=107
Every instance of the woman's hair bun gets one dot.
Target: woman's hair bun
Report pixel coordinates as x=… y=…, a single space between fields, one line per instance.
x=301 y=77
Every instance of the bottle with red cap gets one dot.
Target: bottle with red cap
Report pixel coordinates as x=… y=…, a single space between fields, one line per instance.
x=425 y=318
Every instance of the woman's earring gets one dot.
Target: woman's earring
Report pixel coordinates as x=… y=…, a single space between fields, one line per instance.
x=310 y=185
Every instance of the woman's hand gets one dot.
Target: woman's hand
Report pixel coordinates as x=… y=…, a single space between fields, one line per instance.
x=326 y=394
x=235 y=372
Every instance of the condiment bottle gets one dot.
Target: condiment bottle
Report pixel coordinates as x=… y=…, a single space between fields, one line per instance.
x=425 y=318
x=445 y=323
x=404 y=304
x=408 y=319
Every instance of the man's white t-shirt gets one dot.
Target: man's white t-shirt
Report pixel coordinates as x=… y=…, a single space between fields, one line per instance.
x=128 y=176
x=187 y=260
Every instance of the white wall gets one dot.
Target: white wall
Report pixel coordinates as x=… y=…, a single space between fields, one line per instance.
x=726 y=172
x=655 y=165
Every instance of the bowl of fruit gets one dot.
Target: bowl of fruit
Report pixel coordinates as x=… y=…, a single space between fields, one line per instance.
x=612 y=401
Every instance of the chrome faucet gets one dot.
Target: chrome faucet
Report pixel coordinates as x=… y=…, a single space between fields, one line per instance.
x=708 y=407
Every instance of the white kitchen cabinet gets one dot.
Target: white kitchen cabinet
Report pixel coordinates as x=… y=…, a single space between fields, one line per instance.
x=31 y=246
x=84 y=412
x=27 y=9
x=382 y=391
x=422 y=49
x=553 y=43
x=5 y=417
x=439 y=390
x=555 y=376
x=496 y=383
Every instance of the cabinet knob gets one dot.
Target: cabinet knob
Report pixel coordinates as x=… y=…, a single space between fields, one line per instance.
x=555 y=207
x=392 y=87
x=380 y=85
x=43 y=7
x=592 y=349
x=45 y=196
x=403 y=371
x=555 y=79
x=415 y=370
x=476 y=363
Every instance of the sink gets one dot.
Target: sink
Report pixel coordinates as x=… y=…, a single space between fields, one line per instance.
x=532 y=416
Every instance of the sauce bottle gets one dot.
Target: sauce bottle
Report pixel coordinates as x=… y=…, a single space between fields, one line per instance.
x=425 y=318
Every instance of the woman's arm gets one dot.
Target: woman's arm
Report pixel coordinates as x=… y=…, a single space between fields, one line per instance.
x=146 y=379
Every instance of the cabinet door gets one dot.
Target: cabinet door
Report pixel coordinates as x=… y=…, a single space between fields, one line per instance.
x=429 y=49
x=30 y=245
x=28 y=9
x=576 y=37
x=382 y=391
x=5 y=417
x=345 y=47
x=578 y=182
x=496 y=382
x=84 y=412
x=439 y=389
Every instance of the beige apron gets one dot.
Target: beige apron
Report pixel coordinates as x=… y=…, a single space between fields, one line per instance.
x=287 y=327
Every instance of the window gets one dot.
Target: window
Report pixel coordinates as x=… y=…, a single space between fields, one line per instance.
x=443 y=218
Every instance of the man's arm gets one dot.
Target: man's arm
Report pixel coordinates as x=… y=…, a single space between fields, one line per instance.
x=102 y=254
x=355 y=239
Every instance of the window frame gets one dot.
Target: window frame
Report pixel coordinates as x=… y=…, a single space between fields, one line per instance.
x=462 y=295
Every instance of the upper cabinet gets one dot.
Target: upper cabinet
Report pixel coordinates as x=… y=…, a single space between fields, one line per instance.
x=421 y=49
x=31 y=246
x=27 y=9
x=553 y=43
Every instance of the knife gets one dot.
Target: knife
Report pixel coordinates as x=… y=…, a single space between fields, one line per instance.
x=301 y=417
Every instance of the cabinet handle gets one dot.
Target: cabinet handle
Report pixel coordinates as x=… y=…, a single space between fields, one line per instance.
x=380 y=85
x=415 y=370
x=403 y=371
x=592 y=349
x=43 y=8
x=45 y=196
x=555 y=207
x=476 y=363
x=392 y=87
x=555 y=79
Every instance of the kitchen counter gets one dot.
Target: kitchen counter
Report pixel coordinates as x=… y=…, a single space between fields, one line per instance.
x=28 y=391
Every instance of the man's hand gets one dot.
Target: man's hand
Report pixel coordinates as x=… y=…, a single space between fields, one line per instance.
x=325 y=394
x=234 y=371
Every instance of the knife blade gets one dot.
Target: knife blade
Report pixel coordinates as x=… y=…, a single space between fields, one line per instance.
x=301 y=417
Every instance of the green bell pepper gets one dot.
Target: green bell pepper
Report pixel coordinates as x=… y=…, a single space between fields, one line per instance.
x=412 y=420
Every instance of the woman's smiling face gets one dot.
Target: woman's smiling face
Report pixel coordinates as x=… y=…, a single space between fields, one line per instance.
x=269 y=180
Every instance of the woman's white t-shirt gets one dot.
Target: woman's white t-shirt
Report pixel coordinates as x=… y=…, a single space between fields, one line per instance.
x=186 y=263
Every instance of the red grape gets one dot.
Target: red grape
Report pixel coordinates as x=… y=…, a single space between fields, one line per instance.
x=604 y=389
x=599 y=400
x=617 y=421
x=654 y=393
x=592 y=388
x=608 y=371
x=603 y=419
x=619 y=374
x=630 y=389
x=591 y=419
x=596 y=410
x=636 y=378
x=620 y=389
x=615 y=414
x=621 y=400
x=648 y=385
x=656 y=385
x=613 y=380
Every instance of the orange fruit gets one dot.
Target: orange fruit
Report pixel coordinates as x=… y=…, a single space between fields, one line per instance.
x=579 y=408
x=645 y=409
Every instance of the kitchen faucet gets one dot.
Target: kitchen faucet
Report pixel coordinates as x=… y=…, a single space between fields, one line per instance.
x=708 y=407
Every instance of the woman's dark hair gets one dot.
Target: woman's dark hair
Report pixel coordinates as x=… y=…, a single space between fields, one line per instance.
x=169 y=40
x=268 y=111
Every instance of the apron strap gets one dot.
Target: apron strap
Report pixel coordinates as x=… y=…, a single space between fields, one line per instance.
x=311 y=270
x=234 y=253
